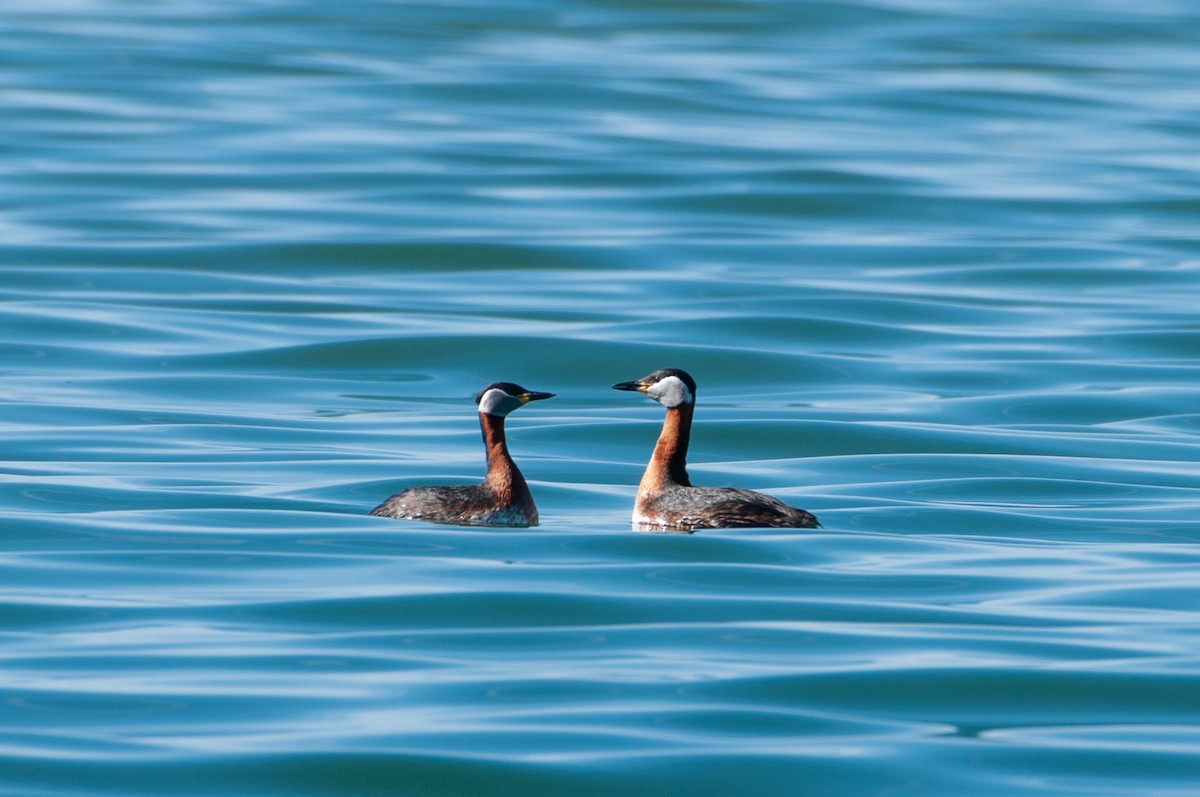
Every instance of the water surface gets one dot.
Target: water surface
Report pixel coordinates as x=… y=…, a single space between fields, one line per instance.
x=934 y=266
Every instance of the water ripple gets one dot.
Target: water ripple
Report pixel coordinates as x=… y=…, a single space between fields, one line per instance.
x=933 y=264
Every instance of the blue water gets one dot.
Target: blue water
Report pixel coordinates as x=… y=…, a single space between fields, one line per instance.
x=935 y=265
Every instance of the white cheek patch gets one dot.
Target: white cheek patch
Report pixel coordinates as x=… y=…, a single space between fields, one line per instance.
x=497 y=402
x=670 y=392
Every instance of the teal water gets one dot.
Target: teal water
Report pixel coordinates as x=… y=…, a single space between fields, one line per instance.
x=935 y=265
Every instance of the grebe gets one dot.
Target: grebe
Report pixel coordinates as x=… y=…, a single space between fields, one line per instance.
x=666 y=498
x=502 y=500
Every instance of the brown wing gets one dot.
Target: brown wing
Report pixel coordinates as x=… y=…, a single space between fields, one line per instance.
x=440 y=504
x=734 y=508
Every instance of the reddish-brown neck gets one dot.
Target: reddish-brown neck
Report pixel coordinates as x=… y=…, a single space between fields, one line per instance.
x=502 y=474
x=668 y=464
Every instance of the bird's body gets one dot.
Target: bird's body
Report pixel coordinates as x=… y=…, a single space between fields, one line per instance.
x=666 y=498
x=503 y=499
x=466 y=505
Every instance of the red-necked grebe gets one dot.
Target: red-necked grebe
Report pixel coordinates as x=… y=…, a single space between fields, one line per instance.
x=666 y=498
x=502 y=500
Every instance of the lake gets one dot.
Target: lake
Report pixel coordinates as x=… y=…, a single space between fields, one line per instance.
x=935 y=266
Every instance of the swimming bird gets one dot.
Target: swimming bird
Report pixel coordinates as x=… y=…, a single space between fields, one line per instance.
x=503 y=499
x=666 y=498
